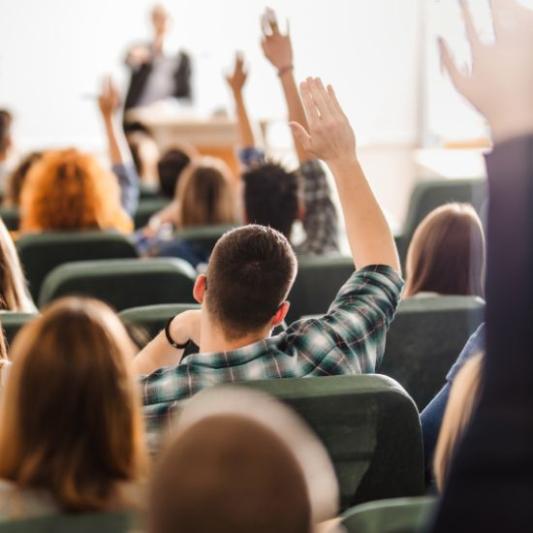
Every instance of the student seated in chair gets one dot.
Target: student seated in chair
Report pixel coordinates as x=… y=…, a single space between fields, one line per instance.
x=250 y=274
x=273 y=196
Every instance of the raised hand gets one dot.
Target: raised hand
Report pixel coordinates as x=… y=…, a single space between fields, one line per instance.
x=330 y=136
x=109 y=99
x=237 y=79
x=277 y=47
x=500 y=82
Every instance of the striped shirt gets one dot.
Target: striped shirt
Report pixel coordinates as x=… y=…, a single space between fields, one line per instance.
x=349 y=339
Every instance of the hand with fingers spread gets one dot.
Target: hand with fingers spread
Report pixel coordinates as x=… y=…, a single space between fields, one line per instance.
x=109 y=99
x=277 y=47
x=500 y=83
x=330 y=136
x=237 y=79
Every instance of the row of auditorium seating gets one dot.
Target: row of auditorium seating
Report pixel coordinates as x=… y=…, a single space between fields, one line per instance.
x=422 y=344
x=397 y=515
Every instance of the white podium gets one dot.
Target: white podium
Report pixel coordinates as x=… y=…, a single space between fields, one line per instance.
x=215 y=136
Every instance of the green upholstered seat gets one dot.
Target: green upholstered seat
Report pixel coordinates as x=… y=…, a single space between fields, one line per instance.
x=428 y=195
x=11 y=217
x=40 y=253
x=147 y=208
x=370 y=427
x=317 y=283
x=123 y=283
x=153 y=318
x=398 y=515
x=426 y=338
x=12 y=322
x=74 y=523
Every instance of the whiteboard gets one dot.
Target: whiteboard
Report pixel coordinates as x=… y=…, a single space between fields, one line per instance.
x=52 y=52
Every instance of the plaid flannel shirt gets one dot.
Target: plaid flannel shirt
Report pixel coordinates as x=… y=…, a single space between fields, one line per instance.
x=349 y=339
x=321 y=223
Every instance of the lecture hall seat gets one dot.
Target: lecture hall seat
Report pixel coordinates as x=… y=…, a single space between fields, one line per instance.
x=424 y=340
x=369 y=426
x=123 y=283
x=12 y=322
x=40 y=253
x=397 y=515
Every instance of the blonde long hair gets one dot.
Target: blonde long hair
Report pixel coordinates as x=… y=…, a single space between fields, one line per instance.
x=461 y=404
x=70 y=190
x=14 y=294
x=205 y=194
x=70 y=419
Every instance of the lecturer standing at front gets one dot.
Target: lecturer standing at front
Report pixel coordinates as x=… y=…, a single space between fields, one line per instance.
x=154 y=75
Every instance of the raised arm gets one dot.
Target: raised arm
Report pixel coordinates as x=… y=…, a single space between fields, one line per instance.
x=277 y=48
x=236 y=82
x=330 y=137
x=119 y=152
x=488 y=488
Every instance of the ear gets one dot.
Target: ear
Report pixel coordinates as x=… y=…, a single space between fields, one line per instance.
x=200 y=286
x=281 y=313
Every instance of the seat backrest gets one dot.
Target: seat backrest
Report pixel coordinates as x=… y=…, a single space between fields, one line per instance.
x=153 y=318
x=12 y=322
x=79 y=523
x=426 y=338
x=40 y=253
x=147 y=208
x=398 y=515
x=317 y=283
x=428 y=195
x=11 y=217
x=369 y=426
x=204 y=237
x=123 y=283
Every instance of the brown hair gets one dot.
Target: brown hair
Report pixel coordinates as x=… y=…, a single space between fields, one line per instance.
x=447 y=253
x=204 y=195
x=70 y=190
x=15 y=181
x=70 y=421
x=250 y=273
x=461 y=404
x=229 y=474
x=6 y=120
x=14 y=294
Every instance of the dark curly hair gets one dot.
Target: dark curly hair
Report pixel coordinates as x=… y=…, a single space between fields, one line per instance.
x=271 y=197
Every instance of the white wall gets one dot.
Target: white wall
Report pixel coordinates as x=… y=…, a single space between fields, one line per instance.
x=52 y=52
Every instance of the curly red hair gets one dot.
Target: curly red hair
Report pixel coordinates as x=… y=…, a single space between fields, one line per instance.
x=71 y=190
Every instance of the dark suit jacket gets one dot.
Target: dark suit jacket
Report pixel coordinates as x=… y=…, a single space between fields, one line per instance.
x=140 y=76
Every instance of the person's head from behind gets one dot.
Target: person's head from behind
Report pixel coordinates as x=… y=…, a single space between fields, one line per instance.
x=160 y=19
x=71 y=413
x=6 y=141
x=205 y=195
x=461 y=405
x=15 y=181
x=447 y=253
x=241 y=461
x=69 y=190
x=271 y=197
x=249 y=276
x=170 y=168
x=13 y=289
